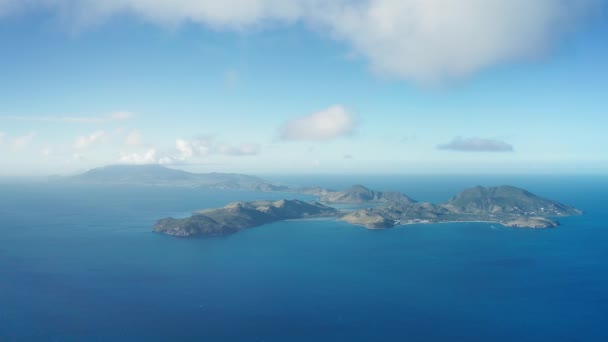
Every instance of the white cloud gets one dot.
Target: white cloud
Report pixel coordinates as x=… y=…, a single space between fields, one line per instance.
x=86 y=141
x=428 y=41
x=327 y=124
x=2 y=135
x=190 y=150
x=133 y=138
x=105 y=118
x=199 y=147
x=23 y=141
x=205 y=146
x=421 y=40
x=148 y=157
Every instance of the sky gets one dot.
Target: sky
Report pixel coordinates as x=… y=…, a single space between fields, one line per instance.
x=305 y=86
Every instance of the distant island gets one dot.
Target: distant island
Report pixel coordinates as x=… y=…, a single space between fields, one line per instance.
x=159 y=175
x=506 y=205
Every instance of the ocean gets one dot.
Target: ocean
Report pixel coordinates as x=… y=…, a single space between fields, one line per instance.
x=80 y=263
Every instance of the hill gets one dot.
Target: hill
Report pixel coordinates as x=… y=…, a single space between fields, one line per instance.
x=506 y=200
x=359 y=194
x=241 y=215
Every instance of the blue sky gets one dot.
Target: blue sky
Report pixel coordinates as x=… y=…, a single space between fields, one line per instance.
x=262 y=86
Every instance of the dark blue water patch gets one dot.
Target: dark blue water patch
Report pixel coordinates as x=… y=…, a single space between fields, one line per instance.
x=82 y=264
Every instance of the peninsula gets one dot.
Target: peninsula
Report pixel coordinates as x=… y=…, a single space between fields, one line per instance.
x=505 y=205
x=241 y=215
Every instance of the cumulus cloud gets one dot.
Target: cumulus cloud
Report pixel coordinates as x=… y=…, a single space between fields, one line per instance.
x=476 y=145
x=421 y=40
x=148 y=157
x=96 y=119
x=429 y=41
x=324 y=125
x=190 y=150
x=86 y=141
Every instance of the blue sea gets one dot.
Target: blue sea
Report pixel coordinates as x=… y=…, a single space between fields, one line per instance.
x=80 y=263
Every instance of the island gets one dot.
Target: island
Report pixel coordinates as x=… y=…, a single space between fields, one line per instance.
x=159 y=175
x=506 y=205
x=358 y=205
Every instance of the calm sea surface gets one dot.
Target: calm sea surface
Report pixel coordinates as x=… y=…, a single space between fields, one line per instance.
x=80 y=263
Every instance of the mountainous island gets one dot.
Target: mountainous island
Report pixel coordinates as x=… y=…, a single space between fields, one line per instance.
x=159 y=175
x=506 y=205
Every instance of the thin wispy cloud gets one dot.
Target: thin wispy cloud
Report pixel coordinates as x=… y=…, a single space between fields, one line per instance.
x=425 y=41
x=207 y=145
x=476 y=145
x=98 y=119
x=327 y=124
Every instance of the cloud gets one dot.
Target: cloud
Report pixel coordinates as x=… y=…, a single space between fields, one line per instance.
x=205 y=146
x=190 y=150
x=105 y=118
x=476 y=145
x=425 y=41
x=327 y=124
x=134 y=138
x=429 y=41
x=348 y=156
x=148 y=157
x=199 y=147
x=2 y=135
x=86 y=141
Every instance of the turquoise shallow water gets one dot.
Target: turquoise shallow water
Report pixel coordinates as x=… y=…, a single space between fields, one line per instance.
x=80 y=263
